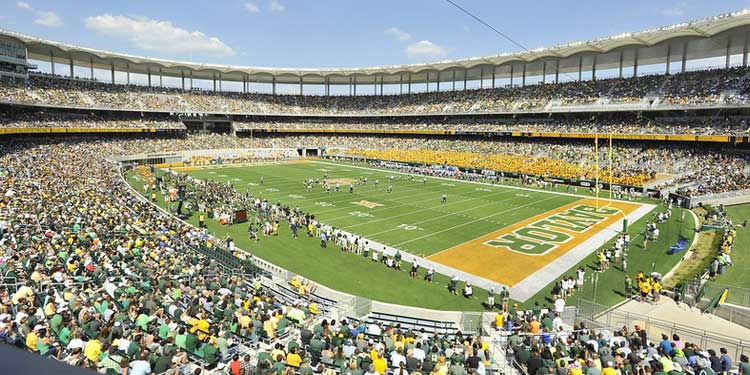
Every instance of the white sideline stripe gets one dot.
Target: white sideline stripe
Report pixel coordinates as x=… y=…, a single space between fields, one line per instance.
x=373 y=196
x=527 y=288
x=486 y=184
x=551 y=272
x=320 y=195
x=422 y=209
x=468 y=222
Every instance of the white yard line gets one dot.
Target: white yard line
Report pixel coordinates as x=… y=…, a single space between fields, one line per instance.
x=553 y=270
x=531 y=284
x=483 y=183
x=466 y=223
x=433 y=209
x=321 y=195
x=401 y=204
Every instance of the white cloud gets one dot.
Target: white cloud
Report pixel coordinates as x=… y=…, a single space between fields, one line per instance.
x=398 y=33
x=425 y=48
x=252 y=7
x=155 y=35
x=43 y=18
x=676 y=11
x=277 y=6
x=48 y=19
x=24 y=5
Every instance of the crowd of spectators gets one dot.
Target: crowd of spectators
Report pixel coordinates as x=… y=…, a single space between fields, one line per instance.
x=707 y=87
x=625 y=352
x=734 y=125
x=633 y=162
x=672 y=126
x=39 y=119
x=98 y=279
x=697 y=170
x=104 y=281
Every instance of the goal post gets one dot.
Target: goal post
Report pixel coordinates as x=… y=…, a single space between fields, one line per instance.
x=608 y=177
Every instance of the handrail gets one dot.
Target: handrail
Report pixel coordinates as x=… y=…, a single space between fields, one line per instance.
x=648 y=319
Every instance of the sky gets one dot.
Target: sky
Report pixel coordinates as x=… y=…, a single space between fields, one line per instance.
x=338 y=33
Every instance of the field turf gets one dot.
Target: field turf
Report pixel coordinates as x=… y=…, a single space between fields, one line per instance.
x=411 y=218
x=468 y=214
x=737 y=275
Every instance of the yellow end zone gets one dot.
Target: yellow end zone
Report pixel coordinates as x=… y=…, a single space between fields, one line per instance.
x=511 y=254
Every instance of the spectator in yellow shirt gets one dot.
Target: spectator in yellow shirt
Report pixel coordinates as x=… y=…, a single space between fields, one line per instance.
x=293 y=359
x=380 y=364
x=32 y=338
x=93 y=350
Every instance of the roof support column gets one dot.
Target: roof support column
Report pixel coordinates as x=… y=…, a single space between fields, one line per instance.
x=544 y=71
x=523 y=77
x=438 y=81
x=400 y=83
x=91 y=65
x=729 y=48
x=148 y=74
x=191 y=80
x=744 y=50
x=481 y=77
x=355 y=85
x=409 y=90
x=214 y=80
x=580 y=67
x=127 y=74
x=244 y=83
x=381 y=85
x=454 y=80
x=511 y=75
x=635 y=63
x=375 y=85
x=52 y=62
x=161 y=77
x=220 y=89
x=557 y=71
x=494 y=75
x=70 y=61
x=301 y=88
x=466 y=73
x=621 y=58
x=593 y=69
x=182 y=76
x=273 y=85
x=112 y=71
x=684 y=56
x=328 y=86
x=669 y=58
x=428 y=81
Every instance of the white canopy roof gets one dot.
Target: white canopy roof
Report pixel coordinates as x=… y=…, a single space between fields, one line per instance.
x=709 y=37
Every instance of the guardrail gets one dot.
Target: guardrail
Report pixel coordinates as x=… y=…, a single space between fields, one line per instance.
x=598 y=316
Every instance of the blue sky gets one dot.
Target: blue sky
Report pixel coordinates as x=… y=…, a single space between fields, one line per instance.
x=336 y=33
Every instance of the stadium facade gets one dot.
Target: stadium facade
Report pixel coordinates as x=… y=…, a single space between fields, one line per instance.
x=720 y=36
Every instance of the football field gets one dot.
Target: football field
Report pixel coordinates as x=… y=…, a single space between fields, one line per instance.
x=515 y=236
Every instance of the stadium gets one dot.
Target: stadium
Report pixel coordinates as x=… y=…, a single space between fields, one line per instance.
x=578 y=208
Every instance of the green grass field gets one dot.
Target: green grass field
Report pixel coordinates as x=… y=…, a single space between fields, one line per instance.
x=472 y=210
x=411 y=218
x=737 y=275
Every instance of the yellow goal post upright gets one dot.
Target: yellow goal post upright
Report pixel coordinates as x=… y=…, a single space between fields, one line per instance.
x=597 y=168
x=609 y=177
